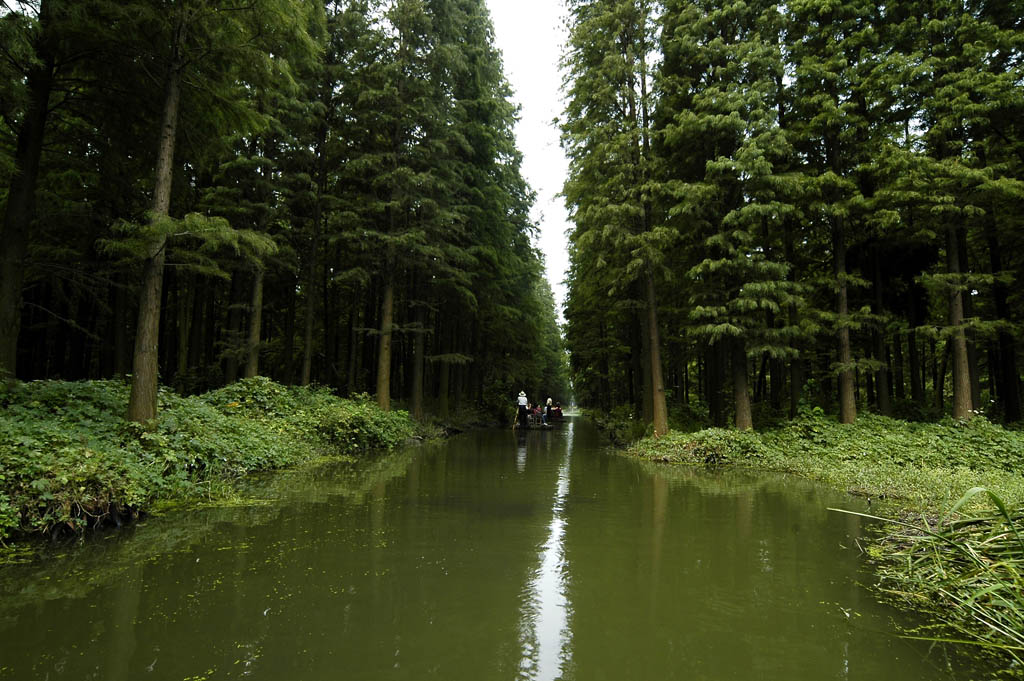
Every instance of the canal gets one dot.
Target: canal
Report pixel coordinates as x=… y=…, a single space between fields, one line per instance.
x=490 y=556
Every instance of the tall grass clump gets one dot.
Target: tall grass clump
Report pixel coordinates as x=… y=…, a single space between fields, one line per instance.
x=965 y=571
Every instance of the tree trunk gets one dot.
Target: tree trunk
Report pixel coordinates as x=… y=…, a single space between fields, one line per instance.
x=186 y=301
x=354 y=349
x=899 y=377
x=659 y=407
x=646 y=391
x=961 y=373
x=796 y=385
x=307 y=335
x=211 y=325
x=121 y=318
x=197 y=339
x=761 y=381
x=168 y=337
x=252 y=366
x=604 y=400
x=686 y=384
x=973 y=373
x=882 y=395
x=418 y=352
x=442 y=390
x=776 y=383
x=287 y=370
x=740 y=389
x=940 y=375
x=387 y=316
x=142 y=404
x=637 y=366
x=459 y=385
x=327 y=316
x=1006 y=377
x=796 y=373
x=916 y=375
x=234 y=345
x=21 y=200
x=847 y=399
x=713 y=380
x=314 y=255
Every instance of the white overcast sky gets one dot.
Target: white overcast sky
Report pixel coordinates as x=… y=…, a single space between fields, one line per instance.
x=531 y=35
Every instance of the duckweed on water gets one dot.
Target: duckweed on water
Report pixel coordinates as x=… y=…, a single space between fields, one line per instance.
x=69 y=460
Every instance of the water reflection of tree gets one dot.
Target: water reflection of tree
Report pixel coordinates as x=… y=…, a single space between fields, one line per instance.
x=73 y=570
x=720 y=571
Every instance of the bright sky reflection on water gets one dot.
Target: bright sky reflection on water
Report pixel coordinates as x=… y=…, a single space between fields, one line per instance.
x=545 y=632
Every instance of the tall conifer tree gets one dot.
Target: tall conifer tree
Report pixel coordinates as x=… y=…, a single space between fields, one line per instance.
x=606 y=132
x=727 y=168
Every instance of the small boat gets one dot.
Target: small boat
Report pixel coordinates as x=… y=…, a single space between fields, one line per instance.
x=533 y=422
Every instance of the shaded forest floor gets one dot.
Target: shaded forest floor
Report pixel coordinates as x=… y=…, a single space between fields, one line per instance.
x=69 y=460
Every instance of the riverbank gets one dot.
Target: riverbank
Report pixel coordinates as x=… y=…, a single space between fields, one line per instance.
x=69 y=460
x=954 y=490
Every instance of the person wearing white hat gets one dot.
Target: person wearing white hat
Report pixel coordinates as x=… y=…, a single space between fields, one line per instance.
x=522 y=417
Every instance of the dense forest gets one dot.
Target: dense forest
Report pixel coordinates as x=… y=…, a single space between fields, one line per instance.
x=795 y=205
x=195 y=191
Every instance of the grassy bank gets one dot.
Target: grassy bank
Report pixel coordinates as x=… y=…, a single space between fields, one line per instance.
x=69 y=460
x=915 y=466
x=954 y=492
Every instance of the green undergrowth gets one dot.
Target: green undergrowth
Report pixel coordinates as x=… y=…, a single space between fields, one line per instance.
x=69 y=460
x=915 y=466
x=958 y=557
x=620 y=425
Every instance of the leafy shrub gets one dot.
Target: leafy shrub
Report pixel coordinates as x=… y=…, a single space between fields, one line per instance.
x=924 y=464
x=621 y=425
x=710 y=446
x=359 y=425
x=68 y=458
x=977 y=444
x=259 y=397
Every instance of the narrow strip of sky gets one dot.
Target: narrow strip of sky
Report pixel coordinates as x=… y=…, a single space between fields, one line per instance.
x=530 y=35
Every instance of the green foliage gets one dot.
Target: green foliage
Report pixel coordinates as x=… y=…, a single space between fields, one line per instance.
x=325 y=154
x=621 y=425
x=923 y=465
x=68 y=459
x=964 y=571
x=689 y=417
x=821 y=178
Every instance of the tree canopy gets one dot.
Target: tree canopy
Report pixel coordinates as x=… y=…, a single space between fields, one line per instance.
x=323 y=192
x=827 y=204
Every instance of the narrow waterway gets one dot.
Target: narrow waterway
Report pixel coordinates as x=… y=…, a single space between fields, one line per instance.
x=491 y=556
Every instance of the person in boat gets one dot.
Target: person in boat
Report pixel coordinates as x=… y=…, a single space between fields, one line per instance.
x=556 y=411
x=522 y=404
x=548 y=406
x=538 y=411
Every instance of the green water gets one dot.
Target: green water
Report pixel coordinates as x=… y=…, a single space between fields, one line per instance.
x=488 y=557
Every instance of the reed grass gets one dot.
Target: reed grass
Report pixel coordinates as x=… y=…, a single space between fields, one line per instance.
x=966 y=570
